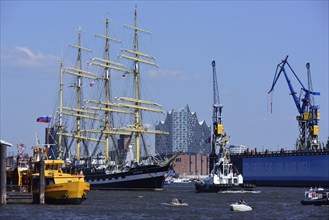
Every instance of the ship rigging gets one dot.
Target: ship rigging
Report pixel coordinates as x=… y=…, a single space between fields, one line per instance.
x=95 y=122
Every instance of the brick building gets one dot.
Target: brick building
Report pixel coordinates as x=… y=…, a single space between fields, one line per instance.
x=191 y=164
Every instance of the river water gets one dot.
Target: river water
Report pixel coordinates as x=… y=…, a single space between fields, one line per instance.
x=270 y=203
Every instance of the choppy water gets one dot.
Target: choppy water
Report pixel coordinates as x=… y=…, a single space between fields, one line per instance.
x=270 y=203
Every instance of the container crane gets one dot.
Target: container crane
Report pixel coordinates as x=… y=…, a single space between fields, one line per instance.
x=309 y=114
x=218 y=135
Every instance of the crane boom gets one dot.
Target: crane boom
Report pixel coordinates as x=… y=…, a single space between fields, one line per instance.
x=281 y=69
x=218 y=127
x=308 y=112
x=215 y=84
x=309 y=80
x=217 y=107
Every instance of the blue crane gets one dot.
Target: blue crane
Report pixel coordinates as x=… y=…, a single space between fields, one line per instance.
x=309 y=115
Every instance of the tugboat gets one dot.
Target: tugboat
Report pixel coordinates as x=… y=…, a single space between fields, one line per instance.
x=223 y=177
x=317 y=196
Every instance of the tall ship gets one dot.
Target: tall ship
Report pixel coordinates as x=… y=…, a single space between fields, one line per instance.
x=107 y=147
x=308 y=164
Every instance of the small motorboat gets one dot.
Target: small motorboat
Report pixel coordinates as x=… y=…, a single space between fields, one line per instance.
x=240 y=206
x=178 y=202
x=316 y=196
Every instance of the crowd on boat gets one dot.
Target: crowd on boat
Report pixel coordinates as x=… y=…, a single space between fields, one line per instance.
x=316 y=196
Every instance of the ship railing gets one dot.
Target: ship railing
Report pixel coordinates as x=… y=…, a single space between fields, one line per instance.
x=18 y=188
x=282 y=151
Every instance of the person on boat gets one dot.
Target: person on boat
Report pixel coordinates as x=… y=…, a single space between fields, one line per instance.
x=242 y=202
x=176 y=201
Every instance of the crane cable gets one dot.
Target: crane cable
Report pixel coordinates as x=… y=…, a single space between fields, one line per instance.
x=270 y=102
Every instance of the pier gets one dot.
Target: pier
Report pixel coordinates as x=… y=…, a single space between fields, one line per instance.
x=3 y=176
x=19 y=197
x=16 y=194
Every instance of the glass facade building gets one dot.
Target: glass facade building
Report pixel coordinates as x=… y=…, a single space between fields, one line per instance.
x=186 y=133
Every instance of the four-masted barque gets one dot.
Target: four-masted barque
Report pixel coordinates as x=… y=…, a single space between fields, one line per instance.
x=104 y=172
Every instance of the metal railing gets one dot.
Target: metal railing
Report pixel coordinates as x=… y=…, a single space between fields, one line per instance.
x=18 y=188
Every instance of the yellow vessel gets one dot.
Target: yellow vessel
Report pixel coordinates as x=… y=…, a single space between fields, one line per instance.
x=60 y=187
x=19 y=177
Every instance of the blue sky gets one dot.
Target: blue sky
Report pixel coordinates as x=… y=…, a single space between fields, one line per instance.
x=247 y=39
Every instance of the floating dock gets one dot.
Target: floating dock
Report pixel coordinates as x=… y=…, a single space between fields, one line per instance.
x=19 y=198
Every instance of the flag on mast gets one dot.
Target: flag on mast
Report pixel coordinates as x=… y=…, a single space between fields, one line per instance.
x=45 y=119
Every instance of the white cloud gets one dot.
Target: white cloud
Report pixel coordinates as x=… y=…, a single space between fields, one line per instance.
x=27 y=58
x=23 y=57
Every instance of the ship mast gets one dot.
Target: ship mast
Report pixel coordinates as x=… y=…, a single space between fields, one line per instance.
x=108 y=65
x=78 y=112
x=107 y=92
x=136 y=82
x=137 y=102
x=60 y=126
x=78 y=89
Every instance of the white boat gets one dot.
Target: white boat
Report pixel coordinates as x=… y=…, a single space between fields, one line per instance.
x=224 y=177
x=240 y=207
x=178 y=202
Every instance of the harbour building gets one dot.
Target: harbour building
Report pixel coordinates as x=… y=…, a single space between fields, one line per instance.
x=187 y=135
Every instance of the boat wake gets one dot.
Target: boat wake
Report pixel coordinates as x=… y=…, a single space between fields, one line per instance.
x=238 y=191
x=174 y=204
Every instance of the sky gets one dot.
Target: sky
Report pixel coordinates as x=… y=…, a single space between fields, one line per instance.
x=247 y=39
